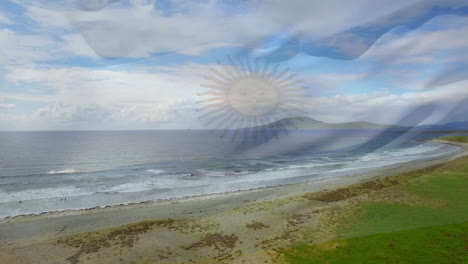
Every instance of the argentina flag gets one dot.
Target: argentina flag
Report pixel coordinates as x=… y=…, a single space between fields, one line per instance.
x=233 y=131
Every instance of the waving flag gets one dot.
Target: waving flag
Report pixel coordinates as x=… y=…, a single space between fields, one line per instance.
x=105 y=103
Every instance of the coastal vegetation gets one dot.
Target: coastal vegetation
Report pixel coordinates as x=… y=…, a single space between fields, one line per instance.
x=309 y=123
x=438 y=244
x=418 y=216
x=431 y=229
x=462 y=139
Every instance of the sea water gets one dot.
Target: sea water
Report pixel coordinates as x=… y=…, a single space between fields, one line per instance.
x=70 y=170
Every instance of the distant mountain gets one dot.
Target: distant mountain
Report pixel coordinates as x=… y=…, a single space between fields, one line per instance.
x=309 y=123
x=452 y=126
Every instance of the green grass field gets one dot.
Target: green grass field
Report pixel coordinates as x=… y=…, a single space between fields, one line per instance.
x=387 y=231
x=463 y=139
x=439 y=244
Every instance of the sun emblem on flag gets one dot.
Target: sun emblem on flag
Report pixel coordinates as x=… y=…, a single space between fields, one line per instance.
x=248 y=97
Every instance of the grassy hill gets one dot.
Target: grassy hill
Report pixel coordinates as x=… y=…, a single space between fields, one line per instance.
x=309 y=123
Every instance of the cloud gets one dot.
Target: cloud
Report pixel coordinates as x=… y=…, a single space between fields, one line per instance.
x=167 y=95
x=4 y=19
x=137 y=29
x=319 y=28
x=326 y=83
x=95 y=114
x=49 y=19
x=448 y=74
x=93 y=5
x=425 y=58
x=139 y=96
x=24 y=49
x=388 y=108
x=75 y=44
x=73 y=113
x=421 y=43
x=56 y=33
x=6 y=106
x=351 y=44
x=198 y=50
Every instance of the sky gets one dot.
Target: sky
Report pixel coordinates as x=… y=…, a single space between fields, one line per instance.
x=121 y=64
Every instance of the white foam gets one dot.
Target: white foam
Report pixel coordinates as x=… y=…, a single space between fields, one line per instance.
x=129 y=187
x=42 y=193
x=65 y=171
x=155 y=171
x=208 y=181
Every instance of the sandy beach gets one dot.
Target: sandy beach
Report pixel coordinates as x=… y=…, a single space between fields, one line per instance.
x=39 y=238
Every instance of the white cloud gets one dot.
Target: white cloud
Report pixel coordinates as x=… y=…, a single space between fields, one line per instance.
x=76 y=45
x=108 y=86
x=4 y=19
x=138 y=30
x=419 y=46
x=165 y=94
x=47 y=17
x=129 y=95
x=93 y=5
x=197 y=51
x=412 y=58
x=6 y=106
x=24 y=49
x=166 y=98
x=388 y=108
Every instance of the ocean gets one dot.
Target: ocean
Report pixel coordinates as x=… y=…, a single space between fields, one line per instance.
x=71 y=170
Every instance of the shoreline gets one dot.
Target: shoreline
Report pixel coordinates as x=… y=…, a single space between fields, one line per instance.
x=375 y=172
x=47 y=225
